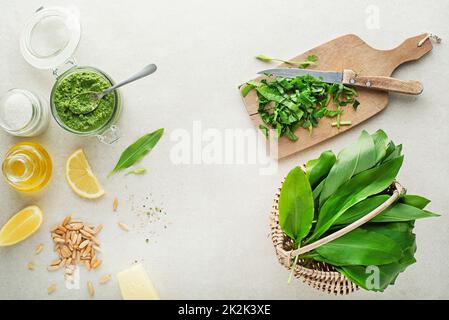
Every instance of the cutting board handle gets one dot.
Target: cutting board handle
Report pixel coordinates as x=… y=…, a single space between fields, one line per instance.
x=409 y=50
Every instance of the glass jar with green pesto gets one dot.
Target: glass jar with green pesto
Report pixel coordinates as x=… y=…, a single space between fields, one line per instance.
x=49 y=40
x=68 y=111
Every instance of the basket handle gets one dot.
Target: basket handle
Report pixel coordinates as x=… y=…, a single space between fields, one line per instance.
x=396 y=194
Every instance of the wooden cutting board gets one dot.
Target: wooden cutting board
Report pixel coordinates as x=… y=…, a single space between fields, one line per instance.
x=346 y=52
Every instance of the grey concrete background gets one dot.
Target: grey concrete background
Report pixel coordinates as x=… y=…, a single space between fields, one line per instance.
x=215 y=242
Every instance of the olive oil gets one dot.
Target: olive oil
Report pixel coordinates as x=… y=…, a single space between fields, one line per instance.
x=27 y=167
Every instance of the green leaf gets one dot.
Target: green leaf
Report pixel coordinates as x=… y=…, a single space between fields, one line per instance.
x=402 y=234
x=136 y=151
x=269 y=93
x=395 y=212
x=397 y=151
x=360 y=187
x=246 y=89
x=357 y=157
x=317 y=190
x=137 y=171
x=380 y=139
x=360 y=247
x=296 y=205
x=363 y=275
x=415 y=201
x=319 y=168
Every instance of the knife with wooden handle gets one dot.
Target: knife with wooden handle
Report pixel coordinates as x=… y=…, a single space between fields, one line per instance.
x=349 y=77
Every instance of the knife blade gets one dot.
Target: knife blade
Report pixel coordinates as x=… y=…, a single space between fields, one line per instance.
x=326 y=76
x=349 y=77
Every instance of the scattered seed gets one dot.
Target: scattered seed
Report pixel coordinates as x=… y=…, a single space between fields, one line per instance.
x=51 y=288
x=115 y=204
x=96 y=264
x=53 y=268
x=104 y=279
x=30 y=266
x=123 y=226
x=86 y=234
x=76 y=226
x=89 y=230
x=98 y=229
x=84 y=244
x=58 y=240
x=90 y=288
x=66 y=220
x=65 y=251
x=39 y=248
x=56 y=262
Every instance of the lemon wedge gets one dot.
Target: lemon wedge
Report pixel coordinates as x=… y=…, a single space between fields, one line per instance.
x=22 y=225
x=80 y=177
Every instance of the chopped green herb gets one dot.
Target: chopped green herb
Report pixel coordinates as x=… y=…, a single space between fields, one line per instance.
x=310 y=60
x=288 y=104
x=342 y=123
x=264 y=130
x=137 y=171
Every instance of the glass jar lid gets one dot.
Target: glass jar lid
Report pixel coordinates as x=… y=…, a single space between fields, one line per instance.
x=50 y=37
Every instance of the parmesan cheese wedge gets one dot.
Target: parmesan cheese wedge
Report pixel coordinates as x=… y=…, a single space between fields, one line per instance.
x=136 y=285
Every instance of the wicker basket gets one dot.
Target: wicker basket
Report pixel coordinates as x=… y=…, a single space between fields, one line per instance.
x=320 y=275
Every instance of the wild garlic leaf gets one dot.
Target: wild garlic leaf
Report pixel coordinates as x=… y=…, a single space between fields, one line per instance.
x=402 y=234
x=360 y=275
x=357 y=189
x=381 y=141
x=360 y=247
x=318 y=169
x=395 y=153
x=414 y=200
x=296 y=205
x=394 y=213
x=357 y=157
x=136 y=151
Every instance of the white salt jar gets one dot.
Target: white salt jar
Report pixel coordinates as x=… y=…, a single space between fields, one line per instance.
x=23 y=113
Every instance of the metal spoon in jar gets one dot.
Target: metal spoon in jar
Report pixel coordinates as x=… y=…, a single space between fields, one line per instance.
x=87 y=102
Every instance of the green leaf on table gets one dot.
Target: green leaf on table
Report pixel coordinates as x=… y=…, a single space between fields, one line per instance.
x=395 y=212
x=360 y=247
x=318 y=169
x=296 y=205
x=357 y=189
x=136 y=151
x=357 y=157
x=414 y=200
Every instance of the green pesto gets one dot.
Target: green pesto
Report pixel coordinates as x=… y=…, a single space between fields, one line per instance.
x=75 y=84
